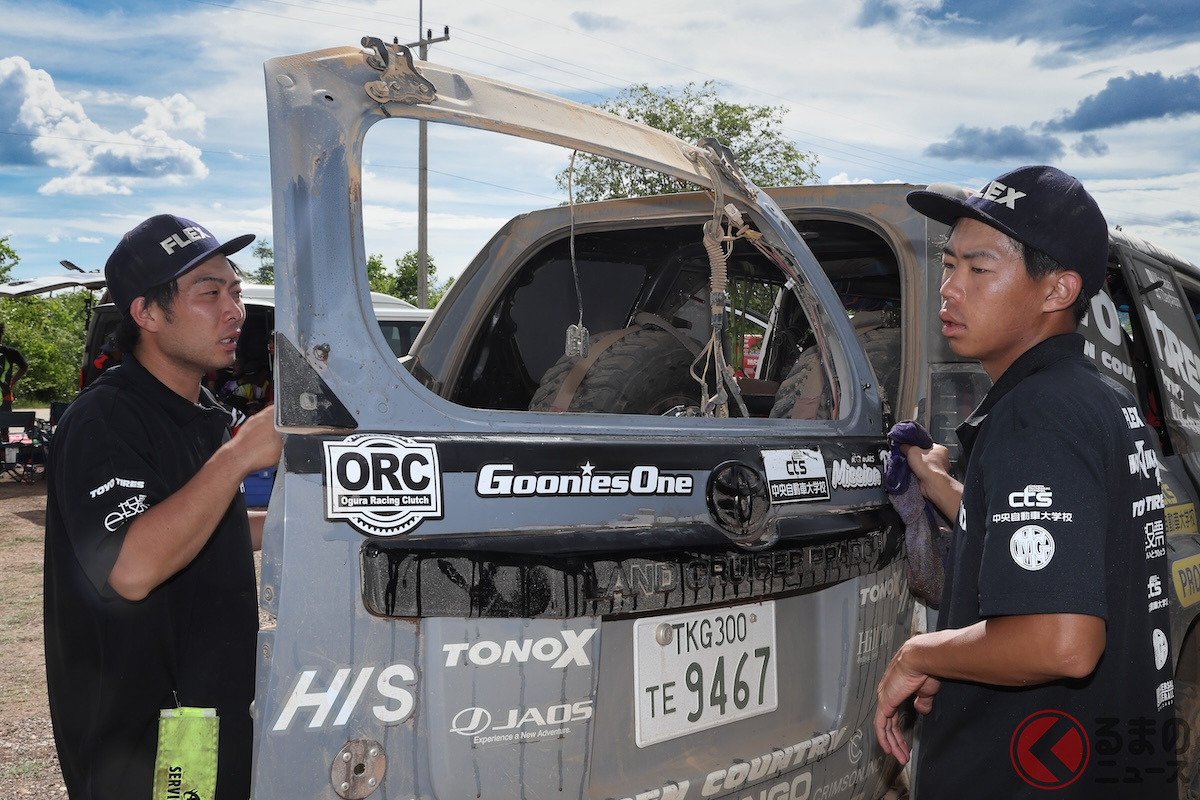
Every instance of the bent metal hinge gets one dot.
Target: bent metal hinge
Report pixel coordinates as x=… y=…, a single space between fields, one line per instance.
x=401 y=83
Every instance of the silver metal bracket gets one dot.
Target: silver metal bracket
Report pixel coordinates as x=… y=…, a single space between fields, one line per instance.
x=358 y=769
x=401 y=83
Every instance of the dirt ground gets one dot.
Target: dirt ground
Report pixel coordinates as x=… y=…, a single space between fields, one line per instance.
x=28 y=762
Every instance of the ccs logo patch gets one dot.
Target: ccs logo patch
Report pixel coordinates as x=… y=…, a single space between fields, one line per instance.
x=382 y=485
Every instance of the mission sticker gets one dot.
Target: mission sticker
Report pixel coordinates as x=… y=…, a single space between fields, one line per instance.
x=796 y=476
x=382 y=485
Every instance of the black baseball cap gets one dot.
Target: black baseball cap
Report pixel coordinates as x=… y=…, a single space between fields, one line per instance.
x=1041 y=207
x=158 y=251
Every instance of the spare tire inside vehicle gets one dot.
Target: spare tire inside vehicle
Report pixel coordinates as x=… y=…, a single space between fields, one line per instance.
x=805 y=394
x=640 y=370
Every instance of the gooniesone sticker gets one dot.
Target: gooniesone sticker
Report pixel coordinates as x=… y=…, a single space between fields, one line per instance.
x=382 y=485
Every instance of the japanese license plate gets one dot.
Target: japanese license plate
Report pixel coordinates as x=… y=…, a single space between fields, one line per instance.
x=702 y=670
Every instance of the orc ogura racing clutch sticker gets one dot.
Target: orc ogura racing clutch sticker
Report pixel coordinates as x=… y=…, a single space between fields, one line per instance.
x=383 y=485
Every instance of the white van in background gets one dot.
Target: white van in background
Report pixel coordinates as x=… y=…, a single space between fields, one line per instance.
x=399 y=322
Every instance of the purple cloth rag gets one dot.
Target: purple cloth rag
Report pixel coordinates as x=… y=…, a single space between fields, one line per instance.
x=925 y=541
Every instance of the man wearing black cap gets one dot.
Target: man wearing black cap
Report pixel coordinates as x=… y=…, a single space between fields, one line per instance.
x=1050 y=672
x=149 y=575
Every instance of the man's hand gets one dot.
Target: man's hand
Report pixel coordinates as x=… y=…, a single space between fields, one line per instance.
x=899 y=683
x=1018 y=650
x=257 y=444
x=932 y=469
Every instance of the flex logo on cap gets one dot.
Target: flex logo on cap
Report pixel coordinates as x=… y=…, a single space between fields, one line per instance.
x=177 y=240
x=999 y=193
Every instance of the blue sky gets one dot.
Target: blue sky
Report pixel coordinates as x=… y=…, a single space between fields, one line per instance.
x=112 y=112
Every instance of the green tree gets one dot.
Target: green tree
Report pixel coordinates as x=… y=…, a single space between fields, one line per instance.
x=49 y=332
x=402 y=282
x=753 y=133
x=377 y=275
x=8 y=259
x=266 y=263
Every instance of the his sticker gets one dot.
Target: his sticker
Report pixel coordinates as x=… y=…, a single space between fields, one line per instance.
x=383 y=485
x=796 y=476
x=1032 y=547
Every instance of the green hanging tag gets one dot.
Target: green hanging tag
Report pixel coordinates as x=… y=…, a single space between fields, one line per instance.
x=186 y=766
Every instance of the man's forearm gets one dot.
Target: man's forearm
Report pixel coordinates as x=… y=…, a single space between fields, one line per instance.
x=165 y=538
x=1010 y=651
x=945 y=494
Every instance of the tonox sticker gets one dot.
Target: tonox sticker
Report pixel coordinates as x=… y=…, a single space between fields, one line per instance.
x=382 y=485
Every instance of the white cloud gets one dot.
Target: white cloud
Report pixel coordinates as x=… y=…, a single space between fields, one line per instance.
x=91 y=159
x=84 y=186
x=174 y=113
x=844 y=179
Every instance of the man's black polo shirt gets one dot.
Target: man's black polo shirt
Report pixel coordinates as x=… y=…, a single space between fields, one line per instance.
x=1061 y=513
x=127 y=443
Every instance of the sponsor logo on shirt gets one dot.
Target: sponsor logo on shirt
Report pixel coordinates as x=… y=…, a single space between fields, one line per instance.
x=1156 y=539
x=1165 y=694
x=1034 y=516
x=1032 y=547
x=1151 y=502
x=1144 y=462
x=1154 y=593
x=1162 y=650
x=126 y=510
x=112 y=483
x=1035 y=495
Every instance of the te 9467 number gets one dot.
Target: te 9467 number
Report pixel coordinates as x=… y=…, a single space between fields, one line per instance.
x=703 y=669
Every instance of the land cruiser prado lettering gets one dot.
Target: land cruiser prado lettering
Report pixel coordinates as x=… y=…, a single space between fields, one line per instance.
x=616 y=529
